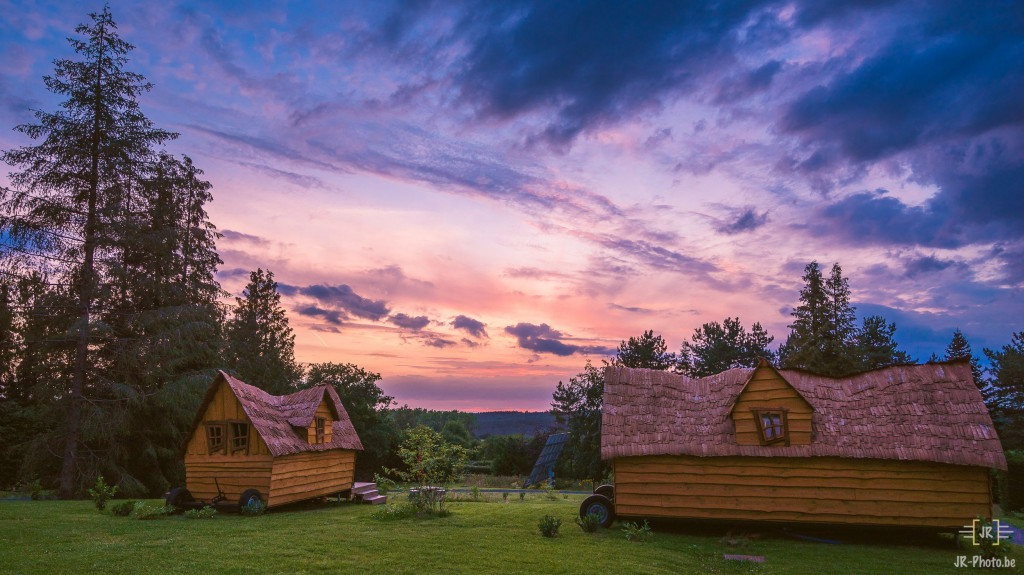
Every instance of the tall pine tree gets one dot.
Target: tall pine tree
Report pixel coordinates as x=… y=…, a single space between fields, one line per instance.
x=959 y=348
x=717 y=347
x=1007 y=380
x=648 y=351
x=823 y=334
x=260 y=345
x=877 y=347
x=69 y=196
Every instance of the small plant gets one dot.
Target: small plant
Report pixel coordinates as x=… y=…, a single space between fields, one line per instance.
x=549 y=526
x=143 y=510
x=123 y=509
x=637 y=532
x=101 y=493
x=522 y=495
x=254 y=508
x=986 y=545
x=475 y=493
x=206 y=512
x=384 y=484
x=504 y=497
x=589 y=523
x=390 y=512
x=550 y=493
x=37 y=490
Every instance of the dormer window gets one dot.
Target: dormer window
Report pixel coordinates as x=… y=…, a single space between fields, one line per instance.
x=321 y=429
x=215 y=437
x=772 y=423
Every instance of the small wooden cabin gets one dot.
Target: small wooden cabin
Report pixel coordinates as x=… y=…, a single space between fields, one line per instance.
x=288 y=448
x=901 y=446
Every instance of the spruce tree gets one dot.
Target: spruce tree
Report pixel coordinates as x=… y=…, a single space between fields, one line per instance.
x=717 y=347
x=958 y=348
x=71 y=192
x=804 y=347
x=260 y=345
x=1007 y=381
x=877 y=347
x=840 y=343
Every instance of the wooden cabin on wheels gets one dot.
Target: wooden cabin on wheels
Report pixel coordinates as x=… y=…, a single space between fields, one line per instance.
x=900 y=446
x=247 y=445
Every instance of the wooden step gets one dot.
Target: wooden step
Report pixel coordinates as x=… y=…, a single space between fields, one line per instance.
x=359 y=488
x=376 y=500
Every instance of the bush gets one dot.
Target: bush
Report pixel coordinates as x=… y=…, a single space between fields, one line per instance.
x=987 y=546
x=206 y=512
x=504 y=497
x=589 y=523
x=37 y=490
x=143 y=510
x=254 y=508
x=549 y=526
x=101 y=493
x=392 y=512
x=384 y=484
x=522 y=495
x=637 y=532
x=475 y=493
x=123 y=509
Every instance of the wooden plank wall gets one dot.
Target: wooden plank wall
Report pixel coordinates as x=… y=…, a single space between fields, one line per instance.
x=767 y=389
x=324 y=412
x=311 y=474
x=235 y=473
x=819 y=490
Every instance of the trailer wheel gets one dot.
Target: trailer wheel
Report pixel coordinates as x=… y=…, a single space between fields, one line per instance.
x=601 y=506
x=249 y=496
x=606 y=490
x=179 y=497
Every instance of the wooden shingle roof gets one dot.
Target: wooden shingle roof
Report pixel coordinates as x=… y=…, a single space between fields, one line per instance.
x=281 y=420
x=931 y=412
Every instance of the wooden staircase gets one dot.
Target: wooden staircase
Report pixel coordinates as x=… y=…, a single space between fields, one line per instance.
x=367 y=493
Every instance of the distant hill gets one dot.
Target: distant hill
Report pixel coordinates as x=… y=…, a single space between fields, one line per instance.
x=527 y=423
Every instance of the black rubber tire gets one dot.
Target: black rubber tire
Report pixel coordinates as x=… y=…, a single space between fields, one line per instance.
x=602 y=506
x=247 y=496
x=606 y=490
x=179 y=497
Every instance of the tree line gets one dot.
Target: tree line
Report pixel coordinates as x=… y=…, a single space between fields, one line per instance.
x=824 y=338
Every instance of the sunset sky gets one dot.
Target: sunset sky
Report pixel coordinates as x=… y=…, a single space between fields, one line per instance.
x=473 y=198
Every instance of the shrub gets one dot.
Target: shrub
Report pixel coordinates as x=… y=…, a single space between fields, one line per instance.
x=549 y=526
x=254 y=508
x=143 y=510
x=101 y=493
x=432 y=462
x=637 y=532
x=384 y=484
x=522 y=495
x=123 y=509
x=206 y=512
x=986 y=546
x=551 y=494
x=504 y=497
x=37 y=490
x=392 y=512
x=589 y=523
x=475 y=493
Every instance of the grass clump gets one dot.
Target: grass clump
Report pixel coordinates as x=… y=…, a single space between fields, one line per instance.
x=206 y=512
x=146 y=511
x=549 y=526
x=390 y=512
x=637 y=532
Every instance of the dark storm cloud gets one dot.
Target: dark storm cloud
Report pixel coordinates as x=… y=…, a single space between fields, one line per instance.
x=744 y=221
x=409 y=322
x=341 y=296
x=542 y=339
x=470 y=326
x=593 y=65
x=333 y=317
x=242 y=237
x=877 y=219
x=928 y=264
x=743 y=86
x=438 y=342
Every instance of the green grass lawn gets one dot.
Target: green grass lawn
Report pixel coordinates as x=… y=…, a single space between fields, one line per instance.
x=54 y=537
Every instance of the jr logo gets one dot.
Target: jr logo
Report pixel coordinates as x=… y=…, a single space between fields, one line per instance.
x=980 y=530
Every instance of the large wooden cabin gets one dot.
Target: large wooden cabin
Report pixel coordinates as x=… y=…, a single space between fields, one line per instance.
x=287 y=448
x=901 y=446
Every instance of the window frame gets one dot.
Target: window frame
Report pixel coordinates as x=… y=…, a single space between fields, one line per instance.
x=320 y=425
x=233 y=445
x=216 y=442
x=782 y=427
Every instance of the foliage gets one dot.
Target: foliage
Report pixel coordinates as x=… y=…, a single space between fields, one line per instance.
x=512 y=454
x=390 y=512
x=648 y=351
x=475 y=493
x=260 y=344
x=1010 y=483
x=101 y=492
x=823 y=335
x=549 y=526
x=143 y=510
x=958 y=348
x=123 y=509
x=367 y=407
x=431 y=461
x=1006 y=374
x=986 y=539
x=637 y=532
x=254 y=508
x=408 y=417
x=384 y=484
x=522 y=496
x=589 y=522
x=717 y=347
x=876 y=345
x=206 y=512
x=37 y=490
x=578 y=406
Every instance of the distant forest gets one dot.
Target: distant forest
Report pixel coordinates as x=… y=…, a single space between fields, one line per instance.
x=526 y=423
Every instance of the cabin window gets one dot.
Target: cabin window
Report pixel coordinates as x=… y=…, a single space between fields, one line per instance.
x=773 y=425
x=239 y=437
x=321 y=429
x=215 y=437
